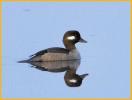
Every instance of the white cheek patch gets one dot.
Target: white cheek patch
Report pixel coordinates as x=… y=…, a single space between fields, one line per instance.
x=71 y=38
x=73 y=81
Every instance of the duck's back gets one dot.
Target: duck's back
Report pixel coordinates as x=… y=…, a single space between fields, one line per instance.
x=54 y=54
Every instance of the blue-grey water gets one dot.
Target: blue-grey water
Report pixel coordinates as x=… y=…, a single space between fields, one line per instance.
x=30 y=27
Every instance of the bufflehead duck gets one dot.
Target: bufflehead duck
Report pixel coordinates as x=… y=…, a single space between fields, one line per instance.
x=57 y=53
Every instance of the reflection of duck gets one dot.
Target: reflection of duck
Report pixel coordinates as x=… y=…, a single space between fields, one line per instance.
x=56 y=53
x=56 y=66
x=71 y=78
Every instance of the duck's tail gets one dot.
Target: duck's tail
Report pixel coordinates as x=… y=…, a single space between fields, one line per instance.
x=24 y=61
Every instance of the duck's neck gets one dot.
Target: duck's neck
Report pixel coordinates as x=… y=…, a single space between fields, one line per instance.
x=69 y=46
x=70 y=72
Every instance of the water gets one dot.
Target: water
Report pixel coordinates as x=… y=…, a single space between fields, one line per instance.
x=31 y=27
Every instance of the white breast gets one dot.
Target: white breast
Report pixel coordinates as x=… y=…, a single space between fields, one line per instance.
x=74 y=54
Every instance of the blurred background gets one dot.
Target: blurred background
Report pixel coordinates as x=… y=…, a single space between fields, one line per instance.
x=31 y=27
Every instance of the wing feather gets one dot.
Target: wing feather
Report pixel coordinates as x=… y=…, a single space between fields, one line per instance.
x=51 y=50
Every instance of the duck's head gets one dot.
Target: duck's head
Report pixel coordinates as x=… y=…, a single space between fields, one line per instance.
x=71 y=38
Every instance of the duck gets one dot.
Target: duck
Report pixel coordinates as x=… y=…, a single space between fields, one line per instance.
x=70 y=52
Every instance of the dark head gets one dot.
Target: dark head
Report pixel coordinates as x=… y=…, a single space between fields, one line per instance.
x=71 y=38
x=73 y=80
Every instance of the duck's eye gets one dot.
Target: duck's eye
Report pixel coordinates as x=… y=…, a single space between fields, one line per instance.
x=73 y=81
x=71 y=37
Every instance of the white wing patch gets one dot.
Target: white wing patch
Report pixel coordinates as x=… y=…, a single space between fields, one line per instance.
x=73 y=81
x=71 y=38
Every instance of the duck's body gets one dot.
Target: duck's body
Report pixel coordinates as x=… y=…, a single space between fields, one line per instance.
x=56 y=53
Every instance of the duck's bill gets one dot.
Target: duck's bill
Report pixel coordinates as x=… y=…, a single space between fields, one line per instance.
x=83 y=75
x=82 y=41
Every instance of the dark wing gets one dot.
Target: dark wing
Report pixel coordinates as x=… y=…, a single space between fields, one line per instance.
x=51 y=50
x=52 y=70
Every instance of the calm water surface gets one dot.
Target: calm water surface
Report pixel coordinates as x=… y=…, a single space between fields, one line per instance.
x=30 y=27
